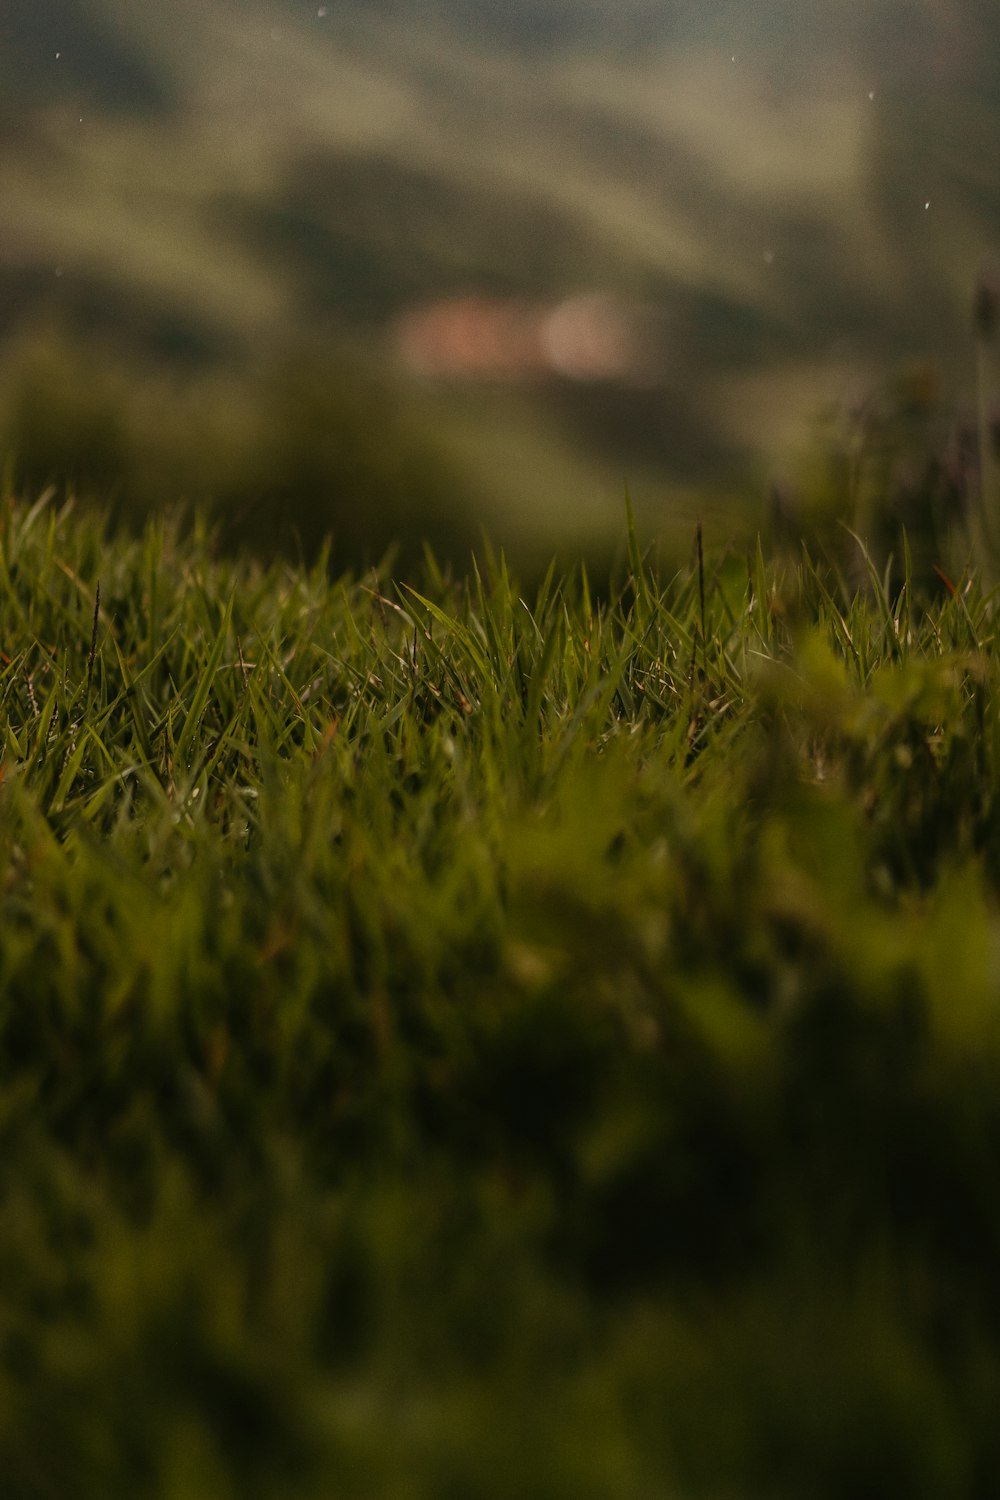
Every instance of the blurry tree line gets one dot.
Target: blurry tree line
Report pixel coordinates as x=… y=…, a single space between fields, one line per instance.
x=318 y=444
x=312 y=446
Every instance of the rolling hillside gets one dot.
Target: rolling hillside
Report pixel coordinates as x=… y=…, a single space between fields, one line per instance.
x=786 y=205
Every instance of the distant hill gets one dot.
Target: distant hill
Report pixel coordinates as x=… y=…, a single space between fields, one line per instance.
x=63 y=48
x=775 y=33
x=797 y=196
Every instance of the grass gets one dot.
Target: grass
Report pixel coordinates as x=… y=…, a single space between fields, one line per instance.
x=454 y=1045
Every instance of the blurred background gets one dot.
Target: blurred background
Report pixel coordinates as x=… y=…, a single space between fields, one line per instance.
x=400 y=270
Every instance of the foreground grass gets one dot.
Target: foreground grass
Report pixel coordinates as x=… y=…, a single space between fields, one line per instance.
x=454 y=1046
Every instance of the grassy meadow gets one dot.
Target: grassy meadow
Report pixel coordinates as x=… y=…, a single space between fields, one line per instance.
x=476 y=1026
x=464 y=1042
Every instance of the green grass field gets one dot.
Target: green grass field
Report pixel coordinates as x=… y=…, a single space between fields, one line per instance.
x=454 y=1045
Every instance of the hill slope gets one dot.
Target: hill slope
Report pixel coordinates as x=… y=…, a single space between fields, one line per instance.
x=791 y=200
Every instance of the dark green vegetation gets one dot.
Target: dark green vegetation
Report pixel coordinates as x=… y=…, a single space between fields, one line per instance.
x=459 y=1046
